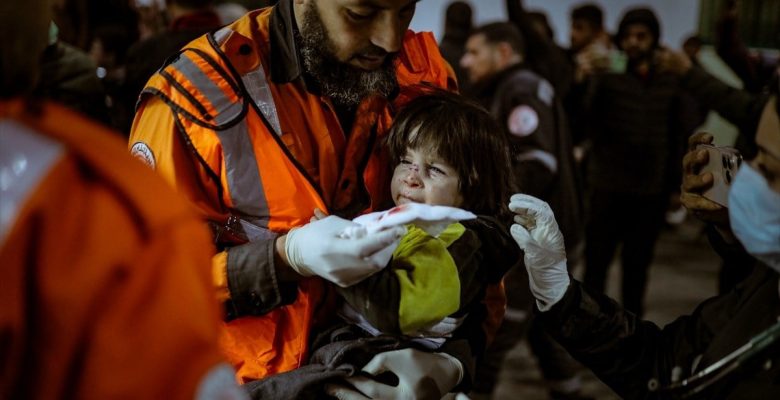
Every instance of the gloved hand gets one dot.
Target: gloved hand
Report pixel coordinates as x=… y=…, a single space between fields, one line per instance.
x=537 y=233
x=421 y=375
x=319 y=248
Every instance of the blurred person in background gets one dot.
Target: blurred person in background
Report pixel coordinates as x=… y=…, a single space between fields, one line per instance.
x=541 y=24
x=587 y=27
x=108 y=50
x=636 y=142
x=457 y=25
x=105 y=288
x=532 y=117
x=68 y=77
x=732 y=50
x=588 y=44
x=542 y=54
x=188 y=20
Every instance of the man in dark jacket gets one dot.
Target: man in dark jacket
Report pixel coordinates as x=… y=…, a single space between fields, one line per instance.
x=527 y=107
x=633 y=168
x=68 y=77
x=729 y=347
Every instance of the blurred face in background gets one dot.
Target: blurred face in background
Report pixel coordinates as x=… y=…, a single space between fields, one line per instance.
x=25 y=27
x=637 y=43
x=481 y=59
x=582 y=34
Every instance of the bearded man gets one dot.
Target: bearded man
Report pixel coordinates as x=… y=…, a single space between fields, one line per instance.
x=263 y=121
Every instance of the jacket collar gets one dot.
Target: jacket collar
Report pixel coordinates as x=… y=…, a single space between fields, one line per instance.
x=287 y=65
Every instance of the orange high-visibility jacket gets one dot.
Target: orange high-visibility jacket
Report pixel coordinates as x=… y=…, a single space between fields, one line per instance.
x=105 y=286
x=242 y=147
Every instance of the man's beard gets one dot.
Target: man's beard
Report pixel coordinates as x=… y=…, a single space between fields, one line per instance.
x=344 y=84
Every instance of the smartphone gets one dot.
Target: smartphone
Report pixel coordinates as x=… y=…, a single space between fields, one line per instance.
x=724 y=162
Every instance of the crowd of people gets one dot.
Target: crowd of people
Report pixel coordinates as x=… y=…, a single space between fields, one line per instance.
x=309 y=200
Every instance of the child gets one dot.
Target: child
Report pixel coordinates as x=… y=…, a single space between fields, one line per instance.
x=448 y=152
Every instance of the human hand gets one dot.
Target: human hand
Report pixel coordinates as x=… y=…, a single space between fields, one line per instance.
x=695 y=183
x=319 y=248
x=674 y=62
x=537 y=233
x=591 y=60
x=421 y=375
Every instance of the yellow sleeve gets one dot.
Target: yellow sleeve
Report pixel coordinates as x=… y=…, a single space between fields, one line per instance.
x=155 y=140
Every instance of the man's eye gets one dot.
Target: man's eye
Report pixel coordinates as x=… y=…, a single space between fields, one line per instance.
x=405 y=161
x=355 y=16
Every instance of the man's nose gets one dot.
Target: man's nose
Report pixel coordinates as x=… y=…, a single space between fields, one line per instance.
x=388 y=33
x=465 y=61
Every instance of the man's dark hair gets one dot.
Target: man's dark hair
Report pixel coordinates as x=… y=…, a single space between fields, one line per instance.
x=465 y=135
x=589 y=13
x=457 y=18
x=642 y=16
x=502 y=32
x=540 y=18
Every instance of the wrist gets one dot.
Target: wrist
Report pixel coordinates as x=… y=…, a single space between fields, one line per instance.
x=284 y=272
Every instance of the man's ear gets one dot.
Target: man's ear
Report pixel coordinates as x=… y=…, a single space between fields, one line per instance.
x=506 y=53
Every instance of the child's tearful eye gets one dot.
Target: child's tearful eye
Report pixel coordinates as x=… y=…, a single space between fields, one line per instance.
x=437 y=170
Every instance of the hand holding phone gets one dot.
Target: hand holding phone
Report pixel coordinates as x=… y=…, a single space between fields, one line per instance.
x=723 y=163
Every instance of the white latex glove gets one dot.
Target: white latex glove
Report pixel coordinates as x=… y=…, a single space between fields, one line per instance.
x=537 y=233
x=318 y=248
x=421 y=375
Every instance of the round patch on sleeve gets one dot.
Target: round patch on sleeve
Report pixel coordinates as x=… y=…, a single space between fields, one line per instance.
x=523 y=121
x=141 y=151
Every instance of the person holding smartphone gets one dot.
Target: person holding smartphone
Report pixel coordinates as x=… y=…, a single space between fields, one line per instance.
x=729 y=346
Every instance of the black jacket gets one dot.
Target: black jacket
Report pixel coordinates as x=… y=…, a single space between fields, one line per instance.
x=627 y=353
x=634 y=128
x=68 y=77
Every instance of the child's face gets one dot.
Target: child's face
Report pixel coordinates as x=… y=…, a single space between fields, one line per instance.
x=423 y=177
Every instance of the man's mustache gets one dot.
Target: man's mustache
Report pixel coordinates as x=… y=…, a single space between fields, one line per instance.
x=374 y=51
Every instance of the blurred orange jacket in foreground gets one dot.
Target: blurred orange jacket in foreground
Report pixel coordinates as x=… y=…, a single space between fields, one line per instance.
x=105 y=288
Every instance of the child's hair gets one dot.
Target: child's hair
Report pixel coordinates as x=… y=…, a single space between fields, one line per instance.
x=464 y=134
